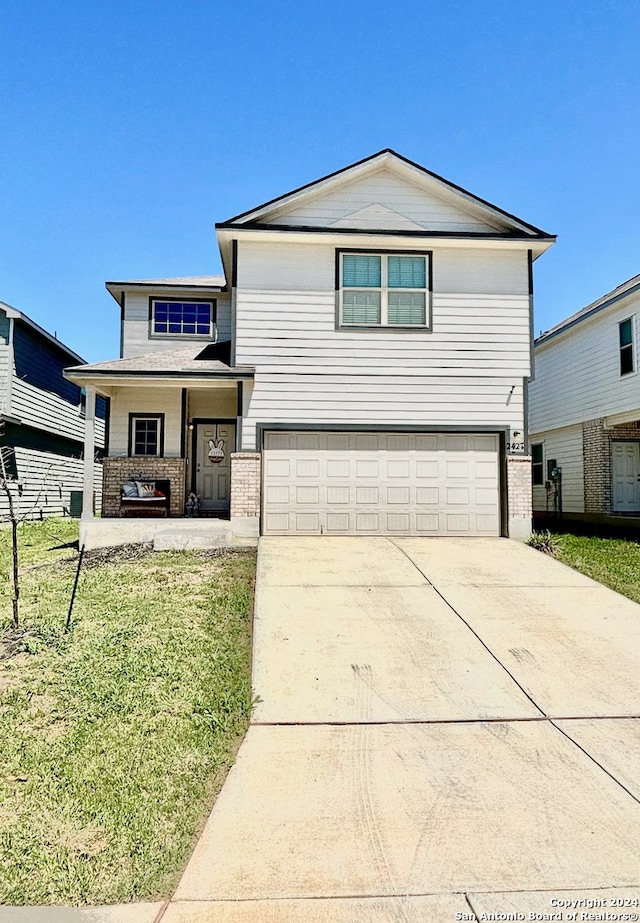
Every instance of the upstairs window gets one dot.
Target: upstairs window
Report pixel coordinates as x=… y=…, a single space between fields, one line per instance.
x=627 y=361
x=384 y=289
x=537 y=467
x=182 y=318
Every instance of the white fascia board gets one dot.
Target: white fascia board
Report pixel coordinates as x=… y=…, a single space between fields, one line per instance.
x=615 y=419
x=383 y=240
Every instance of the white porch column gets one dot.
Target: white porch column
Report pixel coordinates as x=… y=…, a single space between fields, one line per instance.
x=89 y=452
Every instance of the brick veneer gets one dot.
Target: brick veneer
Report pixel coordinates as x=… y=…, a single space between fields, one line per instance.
x=596 y=453
x=245 y=484
x=117 y=470
x=519 y=487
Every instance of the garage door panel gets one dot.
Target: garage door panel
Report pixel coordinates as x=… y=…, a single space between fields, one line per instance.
x=381 y=483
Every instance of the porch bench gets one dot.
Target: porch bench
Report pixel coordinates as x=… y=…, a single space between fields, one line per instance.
x=156 y=504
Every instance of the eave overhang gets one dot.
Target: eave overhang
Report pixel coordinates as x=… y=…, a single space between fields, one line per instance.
x=392 y=238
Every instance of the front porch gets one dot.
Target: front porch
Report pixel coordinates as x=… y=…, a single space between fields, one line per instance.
x=178 y=534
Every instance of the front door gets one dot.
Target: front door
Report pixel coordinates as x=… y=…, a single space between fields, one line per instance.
x=626 y=476
x=214 y=444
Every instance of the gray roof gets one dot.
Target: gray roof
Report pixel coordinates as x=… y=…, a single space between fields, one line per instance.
x=178 y=281
x=172 y=362
x=626 y=288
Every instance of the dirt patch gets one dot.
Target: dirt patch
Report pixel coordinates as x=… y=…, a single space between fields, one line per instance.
x=118 y=554
x=88 y=842
x=10 y=643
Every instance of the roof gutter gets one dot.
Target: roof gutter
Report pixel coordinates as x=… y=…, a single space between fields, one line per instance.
x=546 y=337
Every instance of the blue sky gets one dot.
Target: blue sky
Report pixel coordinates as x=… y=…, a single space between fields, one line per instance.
x=129 y=128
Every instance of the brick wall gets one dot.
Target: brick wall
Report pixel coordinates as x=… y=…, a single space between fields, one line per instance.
x=117 y=470
x=245 y=484
x=596 y=451
x=519 y=487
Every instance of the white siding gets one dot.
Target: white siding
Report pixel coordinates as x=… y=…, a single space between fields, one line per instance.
x=400 y=401
x=47 y=480
x=565 y=445
x=142 y=400
x=350 y=205
x=484 y=272
x=467 y=371
x=136 y=337
x=292 y=328
x=48 y=411
x=577 y=375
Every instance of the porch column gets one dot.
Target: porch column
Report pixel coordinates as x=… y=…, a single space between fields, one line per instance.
x=89 y=452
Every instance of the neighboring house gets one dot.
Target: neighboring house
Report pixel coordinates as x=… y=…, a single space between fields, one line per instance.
x=42 y=416
x=359 y=369
x=584 y=408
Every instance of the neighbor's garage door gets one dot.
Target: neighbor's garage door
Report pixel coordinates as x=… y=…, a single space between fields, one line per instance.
x=381 y=484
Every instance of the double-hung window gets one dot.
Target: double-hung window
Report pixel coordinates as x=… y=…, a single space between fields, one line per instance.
x=146 y=434
x=384 y=289
x=182 y=318
x=625 y=334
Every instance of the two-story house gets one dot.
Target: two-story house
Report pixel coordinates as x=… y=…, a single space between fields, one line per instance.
x=360 y=368
x=42 y=417
x=585 y=412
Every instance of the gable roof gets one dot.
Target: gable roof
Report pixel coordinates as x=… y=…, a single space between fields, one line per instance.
x=630 y=287
x=505 y=223
x=23 y=318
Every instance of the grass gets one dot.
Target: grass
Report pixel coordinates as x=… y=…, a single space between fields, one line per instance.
x=116 y=737
x=615 y=562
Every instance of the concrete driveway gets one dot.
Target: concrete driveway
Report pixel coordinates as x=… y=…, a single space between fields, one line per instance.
x=446 y=727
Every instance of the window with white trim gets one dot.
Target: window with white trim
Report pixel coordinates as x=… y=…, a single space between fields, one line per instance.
x=625 y=334
x=384 y=289
x=182 y=318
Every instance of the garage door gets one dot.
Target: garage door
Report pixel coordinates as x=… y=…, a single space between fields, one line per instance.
x=381 y=484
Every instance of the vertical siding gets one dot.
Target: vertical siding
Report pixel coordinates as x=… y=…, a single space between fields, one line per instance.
x=146 y=400
x=136 y=338
x=47 y=480
x=565 y=445
x=577 y=375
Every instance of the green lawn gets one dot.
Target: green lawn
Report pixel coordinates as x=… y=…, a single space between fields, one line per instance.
x=612 y=561
x=116 y=737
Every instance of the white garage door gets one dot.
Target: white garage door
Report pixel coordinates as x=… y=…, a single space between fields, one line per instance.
x=381 y=484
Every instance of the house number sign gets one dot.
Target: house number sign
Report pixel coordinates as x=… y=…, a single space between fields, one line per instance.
x=515 y=442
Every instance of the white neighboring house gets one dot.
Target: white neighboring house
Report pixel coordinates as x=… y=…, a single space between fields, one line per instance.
x=360 y=368
x=584 y=412
x=42 y=416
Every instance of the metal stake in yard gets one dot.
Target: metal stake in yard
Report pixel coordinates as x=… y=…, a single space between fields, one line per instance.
x=73 y=592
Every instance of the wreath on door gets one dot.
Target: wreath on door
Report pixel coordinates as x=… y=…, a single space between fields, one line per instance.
x=216 y=451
